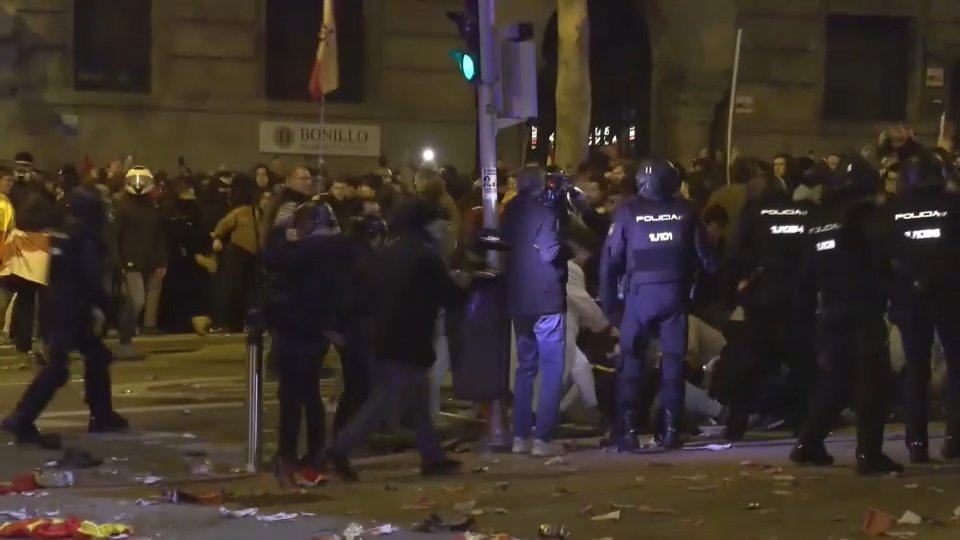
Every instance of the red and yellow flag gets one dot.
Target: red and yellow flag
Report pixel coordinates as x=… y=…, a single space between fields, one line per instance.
x=325 y=77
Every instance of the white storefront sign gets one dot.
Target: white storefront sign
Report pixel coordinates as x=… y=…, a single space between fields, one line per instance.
x=320 y=139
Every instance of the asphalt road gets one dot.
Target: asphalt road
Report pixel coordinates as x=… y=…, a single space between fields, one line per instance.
x=186 y=403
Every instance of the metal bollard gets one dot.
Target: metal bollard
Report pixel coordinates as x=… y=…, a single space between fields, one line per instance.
x=254 y=401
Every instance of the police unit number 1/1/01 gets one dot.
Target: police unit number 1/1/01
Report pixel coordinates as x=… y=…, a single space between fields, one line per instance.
x=661 y=236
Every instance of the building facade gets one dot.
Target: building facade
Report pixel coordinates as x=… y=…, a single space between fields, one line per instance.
x=209 y=93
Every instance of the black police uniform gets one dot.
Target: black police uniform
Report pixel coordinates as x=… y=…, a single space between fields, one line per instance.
x=843 y=266
x=303 y=307
x=653 y=241
x=777 y=314
x=923 y=239
x=75 y=289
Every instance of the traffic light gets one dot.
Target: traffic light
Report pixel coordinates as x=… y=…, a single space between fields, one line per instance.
x=468 y=25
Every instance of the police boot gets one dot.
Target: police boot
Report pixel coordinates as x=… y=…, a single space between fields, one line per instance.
x=951 y=442
x=814 y=454
x=669 y=434
x=626 y=439
x=875 y=464
x=916 y=441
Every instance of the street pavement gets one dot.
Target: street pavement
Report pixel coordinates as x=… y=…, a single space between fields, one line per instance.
x=186 y=405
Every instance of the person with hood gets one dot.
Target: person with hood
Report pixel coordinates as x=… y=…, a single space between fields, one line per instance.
x=76 y=289
x=141 y=247
x=405 y=284
x=536 y=275
x=303 y=313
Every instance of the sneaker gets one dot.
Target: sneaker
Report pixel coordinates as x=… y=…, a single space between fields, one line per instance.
x=546 y=449
x=520 y=446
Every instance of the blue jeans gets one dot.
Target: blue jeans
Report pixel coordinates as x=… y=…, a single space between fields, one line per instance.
x=540 y=348
x=397 y=388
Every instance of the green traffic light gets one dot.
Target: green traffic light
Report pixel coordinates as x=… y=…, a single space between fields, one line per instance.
x=467 y=67
x=467 y=64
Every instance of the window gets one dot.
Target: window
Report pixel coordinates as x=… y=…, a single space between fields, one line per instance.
x=112 y=45
x=292 y=32
x=868 y=68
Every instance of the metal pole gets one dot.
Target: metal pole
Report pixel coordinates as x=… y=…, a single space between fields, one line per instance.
x=487 y=119
x=733 y=101
x=254 y=402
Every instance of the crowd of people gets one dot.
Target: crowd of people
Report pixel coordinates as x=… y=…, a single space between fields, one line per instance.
x=379 y=267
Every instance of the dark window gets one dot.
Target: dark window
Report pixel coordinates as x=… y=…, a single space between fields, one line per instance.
x=112 y=45
x=293 y=28
x=868 y=67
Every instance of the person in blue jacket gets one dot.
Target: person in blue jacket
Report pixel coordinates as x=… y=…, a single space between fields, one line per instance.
x=656 y=242
x=536 y=275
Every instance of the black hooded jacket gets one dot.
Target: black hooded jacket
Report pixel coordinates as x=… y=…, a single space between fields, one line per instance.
x=405 y=284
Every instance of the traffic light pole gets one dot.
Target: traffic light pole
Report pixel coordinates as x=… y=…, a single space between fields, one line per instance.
x=487 y=118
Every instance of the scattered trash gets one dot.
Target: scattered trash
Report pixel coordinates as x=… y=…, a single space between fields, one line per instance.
x=877 y=522
x=145 y=502
x=705 y=487
x=255 y=513
x=553 y=532
x=245 y=512
x=639 y=479
x=561 y=491
x=52 y=478
x=422 y=503
x=910 y=518
x=586 y=510
x=464 y=507
x=610 y=516
x=911 y=486
x=502 y=486
x=694 y=478
x=715 y=447
x=752 y=506
x=619 y=506
x=692 y=522
x=900 y=534
x=435 y=524
x=784 y=478
x=178 y=496
x=480 y=469
x=653 y=510
x=558 y=460
x=148 y=480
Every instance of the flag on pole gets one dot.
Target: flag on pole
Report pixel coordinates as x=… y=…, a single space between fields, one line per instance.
x=326 y=69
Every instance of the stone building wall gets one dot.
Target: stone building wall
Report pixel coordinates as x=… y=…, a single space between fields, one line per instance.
x=207 y=99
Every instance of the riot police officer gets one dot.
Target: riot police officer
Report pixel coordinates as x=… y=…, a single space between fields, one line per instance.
x=75 y=287
x=653 y=241
x=842 y=267
x=778 y=316
x=923 y=231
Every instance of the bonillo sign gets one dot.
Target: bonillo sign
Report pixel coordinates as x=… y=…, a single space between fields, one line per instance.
x=320 y=139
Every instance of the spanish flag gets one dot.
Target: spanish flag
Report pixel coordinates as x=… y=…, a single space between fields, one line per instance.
x=325 y=77
x=25 y=254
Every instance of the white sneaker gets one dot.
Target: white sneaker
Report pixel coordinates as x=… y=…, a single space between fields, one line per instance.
x=546 y=449
x=520 y=446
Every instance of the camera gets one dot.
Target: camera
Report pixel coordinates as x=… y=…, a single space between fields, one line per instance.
x=560 y=193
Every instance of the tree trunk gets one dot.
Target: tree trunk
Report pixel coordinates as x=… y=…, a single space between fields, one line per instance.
x=573 y=82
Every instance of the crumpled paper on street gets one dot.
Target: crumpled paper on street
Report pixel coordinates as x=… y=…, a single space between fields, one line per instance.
x=255 y=513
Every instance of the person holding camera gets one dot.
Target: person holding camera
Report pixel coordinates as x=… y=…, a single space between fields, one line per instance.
x=536 y=272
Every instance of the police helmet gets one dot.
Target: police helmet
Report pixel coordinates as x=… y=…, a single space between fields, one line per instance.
x=854 y=174
x=139 y=181
x=313 y=218
x=926 y=169
x=657 y=178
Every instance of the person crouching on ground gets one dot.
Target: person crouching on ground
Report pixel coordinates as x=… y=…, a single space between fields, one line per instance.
x=406 y=283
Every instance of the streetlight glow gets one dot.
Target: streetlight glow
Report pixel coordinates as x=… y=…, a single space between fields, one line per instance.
x=428 y=155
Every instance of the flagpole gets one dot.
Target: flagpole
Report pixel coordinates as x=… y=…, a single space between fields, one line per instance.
x=323 y=108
